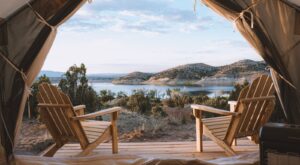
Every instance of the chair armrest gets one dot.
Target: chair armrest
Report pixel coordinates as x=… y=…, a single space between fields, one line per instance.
x=212 y=110
x=98 y=113
x=232 y=105
x=79 y=109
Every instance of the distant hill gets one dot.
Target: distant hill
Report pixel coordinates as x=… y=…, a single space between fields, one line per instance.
x=133 y=78
x=241 y=68
x=187 y=72
x=199 y=74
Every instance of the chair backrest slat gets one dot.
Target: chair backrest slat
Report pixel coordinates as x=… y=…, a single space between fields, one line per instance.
x=252 y=114
x=59 y=100
x=44 y=98
x=54 y=98
x=58 y=119
x=261 y=106
x=256 y=90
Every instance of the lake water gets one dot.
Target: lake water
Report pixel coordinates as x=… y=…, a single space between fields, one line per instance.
x=211 y=91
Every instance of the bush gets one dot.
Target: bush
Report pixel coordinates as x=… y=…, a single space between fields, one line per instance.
x=121 y=95
x=237 y=90
x=169 y=102
x=218 y=102
x=200 y=99
x=139 y=102
x=122 y=101
x=178 y=100
x=105 y=96
x=157 y=111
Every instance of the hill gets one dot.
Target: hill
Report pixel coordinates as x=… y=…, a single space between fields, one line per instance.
x=133 y=78
x=241 y=68
x=199 y=74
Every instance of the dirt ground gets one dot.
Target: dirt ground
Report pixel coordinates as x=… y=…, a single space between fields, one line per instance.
x=132 y=127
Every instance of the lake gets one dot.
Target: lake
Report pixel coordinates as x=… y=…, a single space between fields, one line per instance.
x=211 y=91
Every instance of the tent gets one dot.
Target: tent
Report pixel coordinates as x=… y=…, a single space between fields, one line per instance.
x=28 y=28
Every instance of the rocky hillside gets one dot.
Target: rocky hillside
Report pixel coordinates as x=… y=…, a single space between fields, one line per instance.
x=187 y=72
x=198 y=74
x=133 y=78
x=241 y=68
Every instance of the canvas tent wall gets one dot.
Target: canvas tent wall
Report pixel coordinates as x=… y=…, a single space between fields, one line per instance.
x=27 y=31
x=272 y=27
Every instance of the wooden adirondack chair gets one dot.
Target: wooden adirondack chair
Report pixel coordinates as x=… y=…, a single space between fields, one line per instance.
x=254 y=107
x=67 y=123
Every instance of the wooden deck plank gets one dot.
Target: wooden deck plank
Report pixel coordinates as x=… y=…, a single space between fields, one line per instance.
x=162 y=149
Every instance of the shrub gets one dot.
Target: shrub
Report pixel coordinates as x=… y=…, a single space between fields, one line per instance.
x=122 y=101
x=157 y=111
x=237 y=90
x=218 y=102
x=105 y=96
x=121 y=95
x=200 y=99
x=139 y=102
x=169 y=102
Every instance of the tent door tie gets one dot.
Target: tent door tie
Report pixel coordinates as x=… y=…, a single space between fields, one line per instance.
x=40 y=18
x=242 y=16
x=247 y=10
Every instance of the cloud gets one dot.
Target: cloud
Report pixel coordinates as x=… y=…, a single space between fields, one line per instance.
x=146 y=16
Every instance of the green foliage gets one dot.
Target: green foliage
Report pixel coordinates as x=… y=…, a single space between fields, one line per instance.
x=105 y=96
x=121 y=95
x=122 y=101
x=169 y=102
x=157 y=111
x=200 y=99
x=217 y=102
x=139 y=102
x=237 y=90
x=176 y=99
x=33 y=99
x=75 y=84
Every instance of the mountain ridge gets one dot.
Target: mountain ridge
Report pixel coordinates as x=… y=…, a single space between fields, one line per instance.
x=199 y=74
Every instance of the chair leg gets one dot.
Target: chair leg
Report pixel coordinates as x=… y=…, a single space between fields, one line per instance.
x=114 y=133
x=228 y=150
x=50 y=152
x=199 y=131
x=114 y=140
x=235 y=142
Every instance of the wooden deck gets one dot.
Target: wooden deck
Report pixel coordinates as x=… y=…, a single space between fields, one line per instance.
x=161 y=149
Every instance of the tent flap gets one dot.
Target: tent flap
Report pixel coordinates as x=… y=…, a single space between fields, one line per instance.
x=274 y=36
x=26 y=36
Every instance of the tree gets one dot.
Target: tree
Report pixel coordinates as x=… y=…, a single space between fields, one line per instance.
x=75 y=84
x=105 y=96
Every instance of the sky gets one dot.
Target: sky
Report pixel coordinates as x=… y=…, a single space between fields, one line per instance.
x=122 y=36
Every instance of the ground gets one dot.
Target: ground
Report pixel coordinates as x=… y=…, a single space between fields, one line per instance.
x=133 y=127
